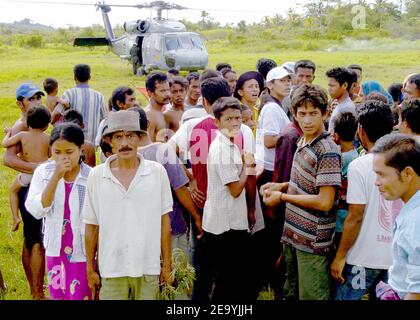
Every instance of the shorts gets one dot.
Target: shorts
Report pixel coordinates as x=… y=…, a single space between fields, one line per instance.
x=24 y=179
x=32 y=228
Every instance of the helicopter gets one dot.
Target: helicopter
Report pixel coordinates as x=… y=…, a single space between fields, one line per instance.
x=151 y=44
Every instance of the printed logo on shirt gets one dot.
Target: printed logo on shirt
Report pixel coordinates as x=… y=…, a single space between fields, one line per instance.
x=388 y=212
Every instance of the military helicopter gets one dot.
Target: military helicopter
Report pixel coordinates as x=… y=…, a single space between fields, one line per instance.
x=151 y=44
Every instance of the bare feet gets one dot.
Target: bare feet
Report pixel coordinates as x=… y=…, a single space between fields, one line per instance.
x=16 y=223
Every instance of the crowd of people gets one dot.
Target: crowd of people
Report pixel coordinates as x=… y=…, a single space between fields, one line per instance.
x=263 y=180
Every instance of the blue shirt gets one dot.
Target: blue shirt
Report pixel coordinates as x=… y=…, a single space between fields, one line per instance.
x=404 y=274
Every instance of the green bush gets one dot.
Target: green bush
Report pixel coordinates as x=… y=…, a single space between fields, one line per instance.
x=29 y=41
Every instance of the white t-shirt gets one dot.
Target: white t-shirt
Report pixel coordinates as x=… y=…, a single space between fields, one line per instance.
x=373 y=246
x=129 y=220
x=193 y=113
x=271 y=121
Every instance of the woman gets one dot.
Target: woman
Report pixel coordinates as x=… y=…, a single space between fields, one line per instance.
x=57 y=194
x=248 y=88
x=374 y=86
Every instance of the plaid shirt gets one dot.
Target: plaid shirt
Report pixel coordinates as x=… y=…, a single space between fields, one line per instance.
x=316 y=164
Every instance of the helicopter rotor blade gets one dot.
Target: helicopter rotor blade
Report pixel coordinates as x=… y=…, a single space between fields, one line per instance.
x=152 y=5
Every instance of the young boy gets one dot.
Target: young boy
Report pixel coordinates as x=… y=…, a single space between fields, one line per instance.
x=51 y=88
x=345 y=127
x=54 y=104
x=248 y=117
x=35 y=148
x=225 y=216
x=310 y=198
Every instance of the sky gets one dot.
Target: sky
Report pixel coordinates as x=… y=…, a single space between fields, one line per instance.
x=63 y=15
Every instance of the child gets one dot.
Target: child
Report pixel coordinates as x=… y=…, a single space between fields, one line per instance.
x=57 y=194
x=345 y=127
x=248 y=117
x=55 y=104
x=51 y=88
x=88 y=150
x=225 y=216
x=35 y=148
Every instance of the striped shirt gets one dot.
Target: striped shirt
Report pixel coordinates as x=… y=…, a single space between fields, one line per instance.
x=91 y=104
x=316 y=164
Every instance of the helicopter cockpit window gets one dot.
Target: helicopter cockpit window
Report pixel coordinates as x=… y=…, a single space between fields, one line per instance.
x=197 y=42
x=183 y=41
x=172 y=42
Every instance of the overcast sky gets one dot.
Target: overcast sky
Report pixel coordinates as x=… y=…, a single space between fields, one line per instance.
x=224 y=11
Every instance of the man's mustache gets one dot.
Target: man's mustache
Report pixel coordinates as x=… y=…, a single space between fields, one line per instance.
x=125 y=149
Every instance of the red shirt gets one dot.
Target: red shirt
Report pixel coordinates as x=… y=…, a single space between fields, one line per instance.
x=202 y=135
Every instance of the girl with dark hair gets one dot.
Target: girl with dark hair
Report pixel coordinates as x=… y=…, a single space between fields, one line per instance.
x=57 y=194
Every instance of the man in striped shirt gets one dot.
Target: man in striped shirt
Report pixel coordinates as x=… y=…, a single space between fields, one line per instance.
x=310 y=199
x=90 y=103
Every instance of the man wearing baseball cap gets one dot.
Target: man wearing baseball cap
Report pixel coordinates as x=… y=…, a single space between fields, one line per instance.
x=271 y=121
x=28 y=95
x=128 y=228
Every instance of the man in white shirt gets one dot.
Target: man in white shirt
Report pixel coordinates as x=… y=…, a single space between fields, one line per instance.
x=364 y=253
x=129 y=229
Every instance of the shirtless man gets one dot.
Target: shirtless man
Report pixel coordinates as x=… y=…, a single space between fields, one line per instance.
x=33 y=254
x=157 y=87
x=178 y=87
x=194 y=92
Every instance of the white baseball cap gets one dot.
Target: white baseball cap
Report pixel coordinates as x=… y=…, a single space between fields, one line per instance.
x=278 y=73
x=289 y=65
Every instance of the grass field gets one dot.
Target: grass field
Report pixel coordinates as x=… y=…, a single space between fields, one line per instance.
x=18 y=65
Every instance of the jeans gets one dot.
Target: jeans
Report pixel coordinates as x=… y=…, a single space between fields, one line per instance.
x=359 y=281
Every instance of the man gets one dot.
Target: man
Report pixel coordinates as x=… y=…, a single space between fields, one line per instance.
x=271 y=121
x=264 y=66
x=194 y=93
x=172 y=73
x=412 y=87
x=356 y=88
x=357 y=68
x=396 y=161
x=128 y=229
x=178 y=87
x=33 y=255
x=340 y=81
x=122 y=98
x=90 y=103
x=364 y=253
x=223 y=65
x=310 y=199
x=198 y=110
x=194 y=137
x=157 y=86
x=410 y=117
x=304 y=72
